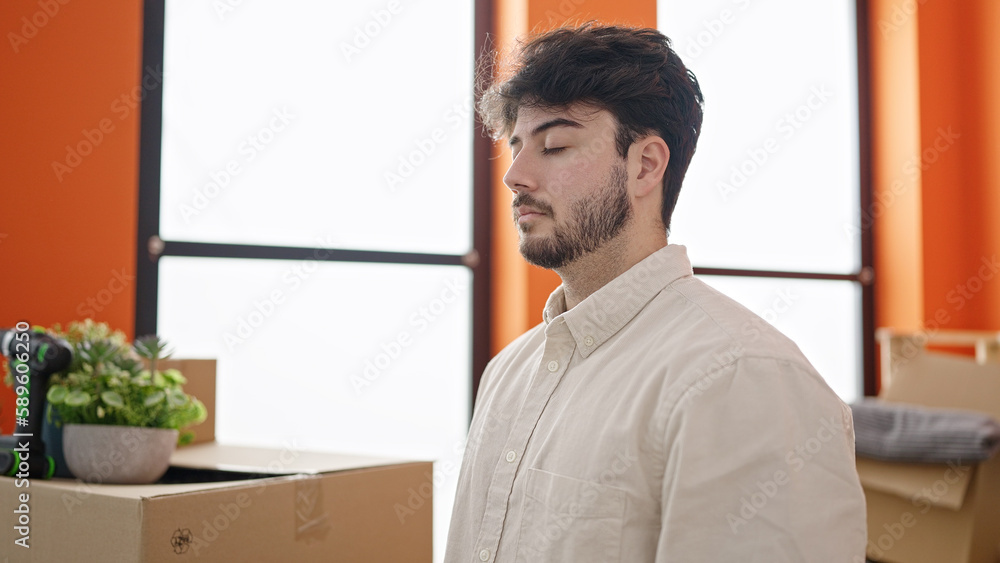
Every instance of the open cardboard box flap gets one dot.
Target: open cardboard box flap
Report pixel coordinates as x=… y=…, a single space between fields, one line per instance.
x=915 y=480
x=938 y=381
x=79 y=489
x=262 y=460
x=944 y=381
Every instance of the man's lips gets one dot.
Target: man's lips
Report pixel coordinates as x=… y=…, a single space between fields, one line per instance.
x=525 y=213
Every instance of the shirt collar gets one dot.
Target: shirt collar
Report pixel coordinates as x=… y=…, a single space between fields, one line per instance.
x=601 y=315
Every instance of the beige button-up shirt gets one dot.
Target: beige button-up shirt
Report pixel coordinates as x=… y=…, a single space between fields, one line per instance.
x=658 y=420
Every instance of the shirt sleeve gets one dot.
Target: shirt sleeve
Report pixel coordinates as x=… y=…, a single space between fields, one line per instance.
x=760 y=467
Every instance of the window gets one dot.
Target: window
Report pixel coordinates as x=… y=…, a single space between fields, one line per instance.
x=306 y=210
x=770 y=207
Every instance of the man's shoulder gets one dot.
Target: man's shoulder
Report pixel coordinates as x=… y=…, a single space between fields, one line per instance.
x=714 y=322
x=725 y=340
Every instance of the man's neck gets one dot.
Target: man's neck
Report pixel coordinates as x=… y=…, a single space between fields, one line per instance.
x=591 y=272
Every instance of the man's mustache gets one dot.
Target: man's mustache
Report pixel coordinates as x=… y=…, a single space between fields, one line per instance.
x=530 y=201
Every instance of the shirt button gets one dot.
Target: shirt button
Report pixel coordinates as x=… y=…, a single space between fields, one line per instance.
x=511 y=456
x=484 y=555
x=589 y=341
x=553 y=366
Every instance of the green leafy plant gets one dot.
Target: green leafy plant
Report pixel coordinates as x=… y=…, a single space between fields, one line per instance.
x=116 y=383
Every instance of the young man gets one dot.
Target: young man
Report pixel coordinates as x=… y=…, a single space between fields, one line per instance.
x=648 y=418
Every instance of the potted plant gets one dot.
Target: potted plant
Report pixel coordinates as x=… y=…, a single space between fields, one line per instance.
x=122 y=416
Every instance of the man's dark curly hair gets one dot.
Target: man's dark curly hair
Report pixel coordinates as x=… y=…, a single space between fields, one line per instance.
x=632 y=73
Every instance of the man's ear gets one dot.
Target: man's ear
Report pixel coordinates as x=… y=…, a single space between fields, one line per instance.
x=653 y=155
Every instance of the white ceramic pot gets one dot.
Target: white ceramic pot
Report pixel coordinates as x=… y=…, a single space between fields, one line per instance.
x=118 y=454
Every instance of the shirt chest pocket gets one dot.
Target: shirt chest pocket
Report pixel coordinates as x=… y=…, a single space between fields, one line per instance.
x=567 y=519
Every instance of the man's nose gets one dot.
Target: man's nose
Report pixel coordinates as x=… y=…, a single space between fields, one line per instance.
x=519 y=176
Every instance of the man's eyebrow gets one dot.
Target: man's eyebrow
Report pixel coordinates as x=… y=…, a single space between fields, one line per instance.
x=559 y=122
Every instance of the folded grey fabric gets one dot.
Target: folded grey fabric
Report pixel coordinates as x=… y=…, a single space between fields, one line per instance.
x=901 y=432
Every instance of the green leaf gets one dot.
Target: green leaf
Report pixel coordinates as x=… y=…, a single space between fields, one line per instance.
x=77 y=398
x=113 y=399
x=176 y=398
x=141 y=379
x=152 y=348
x=56 y=395
x=175 y=377
x=154 y=398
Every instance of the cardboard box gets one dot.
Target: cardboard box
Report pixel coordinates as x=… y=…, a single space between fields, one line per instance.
x=945 y=513
x=228 y=503
x=320 y=507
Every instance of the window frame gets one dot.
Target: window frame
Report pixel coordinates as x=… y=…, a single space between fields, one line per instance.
x=864 y=277
x=150 y=247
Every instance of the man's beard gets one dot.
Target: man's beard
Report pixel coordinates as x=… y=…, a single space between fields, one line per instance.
x=592 y=222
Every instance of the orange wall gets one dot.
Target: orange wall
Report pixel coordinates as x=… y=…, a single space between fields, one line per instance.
x=897 y=211
x=959 y=58
x=936 y=128
x=520 y=290
x=67 y=237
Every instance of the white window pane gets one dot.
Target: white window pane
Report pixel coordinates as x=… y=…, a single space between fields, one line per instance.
x=822 y=317
x=774 y=182
x=283 y=119
x=365 y=358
